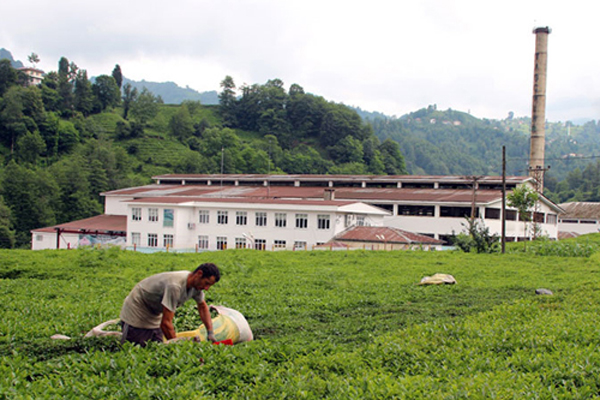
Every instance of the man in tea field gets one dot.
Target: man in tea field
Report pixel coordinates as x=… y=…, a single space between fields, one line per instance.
x=148 y=310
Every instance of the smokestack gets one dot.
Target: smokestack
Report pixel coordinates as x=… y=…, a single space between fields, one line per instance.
x=538 y=111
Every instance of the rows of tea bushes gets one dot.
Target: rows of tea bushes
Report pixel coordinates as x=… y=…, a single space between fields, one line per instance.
x=339 y=325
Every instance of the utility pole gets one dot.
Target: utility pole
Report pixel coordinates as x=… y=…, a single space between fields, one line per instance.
x=222 y=164
x=475 y=179
x=503 y=238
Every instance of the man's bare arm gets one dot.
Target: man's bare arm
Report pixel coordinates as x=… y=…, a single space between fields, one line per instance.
x=166 y=324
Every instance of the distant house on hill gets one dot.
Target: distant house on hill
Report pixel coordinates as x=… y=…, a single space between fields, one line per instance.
x=35 y=75
x=579 y=218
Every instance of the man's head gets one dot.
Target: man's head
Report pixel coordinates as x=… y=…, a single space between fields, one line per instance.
x=204 y=276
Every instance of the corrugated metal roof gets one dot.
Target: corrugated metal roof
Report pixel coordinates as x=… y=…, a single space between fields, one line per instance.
x=566 y=235
x=381 y=234
x=347 y=178
x=181 y=200
x=100 y=223
x=581 y=210
x=313 y=193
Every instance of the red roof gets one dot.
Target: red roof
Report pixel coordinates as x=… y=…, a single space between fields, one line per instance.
x=100 y=223
x=384 y=235
x=257 y=200
x=483 y=196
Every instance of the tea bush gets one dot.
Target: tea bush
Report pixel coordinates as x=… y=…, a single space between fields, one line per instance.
x=338 y=325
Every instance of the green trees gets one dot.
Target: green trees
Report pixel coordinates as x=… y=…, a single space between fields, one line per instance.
x=83 y=96
x=130 y=95
x=144 y=106
x=7 y=235
x=106 y=91
x=66 y=74
x=523 y=199
x=75 y=199
x=299 y=119
x=181 y=124
x=227 y=101
x=8 y=76
x=32 y=197
x=118 y=76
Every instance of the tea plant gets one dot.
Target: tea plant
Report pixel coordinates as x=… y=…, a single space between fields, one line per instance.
x=339 y=325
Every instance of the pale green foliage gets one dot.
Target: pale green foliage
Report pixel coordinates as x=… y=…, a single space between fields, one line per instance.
x=327 y=325
x=523 y=199
x=144 y=106
x=476 y=239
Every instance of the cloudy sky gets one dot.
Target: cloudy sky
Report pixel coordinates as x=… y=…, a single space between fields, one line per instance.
x=388 y=56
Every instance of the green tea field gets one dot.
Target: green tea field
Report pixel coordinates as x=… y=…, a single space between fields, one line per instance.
x=327 y=325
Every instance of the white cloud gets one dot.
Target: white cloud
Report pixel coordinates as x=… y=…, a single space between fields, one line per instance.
x=392 y=57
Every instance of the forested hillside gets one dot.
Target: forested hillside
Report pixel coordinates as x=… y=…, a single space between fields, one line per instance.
x=67 y=140
x=455 y=143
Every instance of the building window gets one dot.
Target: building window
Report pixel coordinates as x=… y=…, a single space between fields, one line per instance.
x=457 y=212
x=349 y=220
x=492 y=213
x=240 y=243
x=299 y=245
x=280 y=220
x=419 y=211
x=511 y=215
x=302 y=221
x=323 y=221
x=360 y=220
x=551 y=219
x=203 y=242
x=261 y=219
x=241 y=218
x=136 y=214
x=525 y=217
x=222 y=217
x=136 y=238
x=203 y=217
x=153 y=214
x=260 y=244
x=167 y=240
x=279 y=244
x=221 y=243
x=539 y=217
x=152 y=240
x=168 y=217
x=388 y=207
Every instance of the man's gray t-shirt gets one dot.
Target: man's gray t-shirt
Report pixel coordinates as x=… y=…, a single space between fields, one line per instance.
x=143 y=306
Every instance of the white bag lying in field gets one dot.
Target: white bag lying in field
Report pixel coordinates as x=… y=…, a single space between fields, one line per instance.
x=229 y=324
x=438 y=279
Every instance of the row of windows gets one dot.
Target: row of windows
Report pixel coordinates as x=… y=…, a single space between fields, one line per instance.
x=260 y=219
x=153 y=215
x=461 y=212
x=245 y=243
x=167 y=240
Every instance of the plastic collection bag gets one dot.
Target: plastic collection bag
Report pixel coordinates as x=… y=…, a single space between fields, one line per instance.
x=228 y=325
